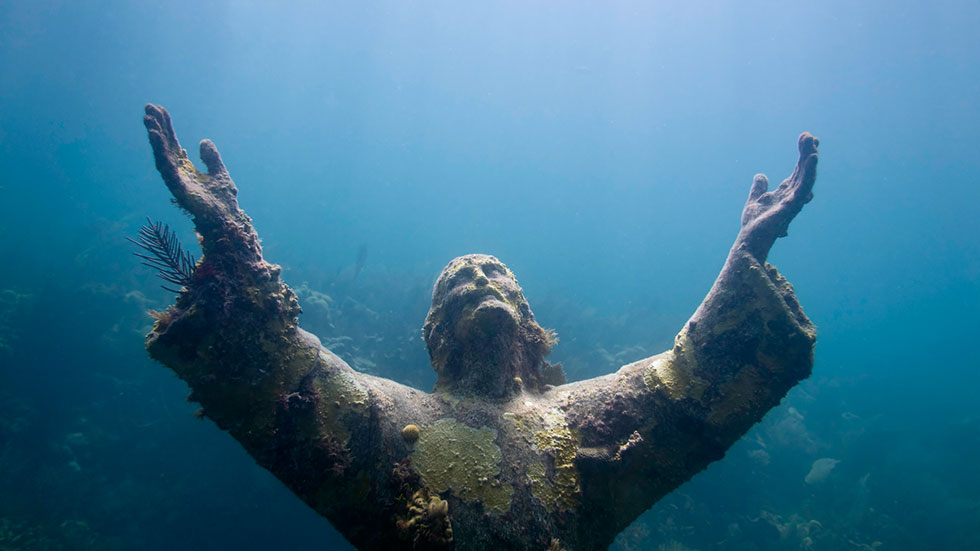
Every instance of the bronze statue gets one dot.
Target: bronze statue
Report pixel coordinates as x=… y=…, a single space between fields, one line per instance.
x=501 y=455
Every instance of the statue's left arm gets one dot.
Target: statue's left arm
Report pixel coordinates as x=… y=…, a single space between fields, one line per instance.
x=649 y=427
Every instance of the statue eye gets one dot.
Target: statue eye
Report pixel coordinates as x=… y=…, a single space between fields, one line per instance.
x=463 y=274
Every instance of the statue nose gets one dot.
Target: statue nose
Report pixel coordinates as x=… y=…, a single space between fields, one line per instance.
x=481 y=280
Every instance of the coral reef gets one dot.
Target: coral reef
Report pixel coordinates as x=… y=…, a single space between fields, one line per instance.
x=427 y=524
x=70 y=535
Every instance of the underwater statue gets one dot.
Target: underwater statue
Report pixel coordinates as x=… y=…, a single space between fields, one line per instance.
x=501 y=454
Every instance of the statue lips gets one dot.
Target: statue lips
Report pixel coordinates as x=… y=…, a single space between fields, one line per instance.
x=487 y=296
x=491 y=304
x=492 y=312
x=485 y=311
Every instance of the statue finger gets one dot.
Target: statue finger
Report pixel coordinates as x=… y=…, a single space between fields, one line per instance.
x=161 y=129
x=758 y=199
x=212 y=159
x=166 y=148
x=806 y=169
x=760 y=184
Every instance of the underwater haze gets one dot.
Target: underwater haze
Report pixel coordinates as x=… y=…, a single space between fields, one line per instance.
x=603 y=151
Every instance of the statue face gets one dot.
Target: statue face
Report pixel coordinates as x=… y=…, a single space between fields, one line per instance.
x=480 y=332
x=482 y=293
x=476 y=298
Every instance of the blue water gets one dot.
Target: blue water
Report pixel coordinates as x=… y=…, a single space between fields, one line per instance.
x=602 y=151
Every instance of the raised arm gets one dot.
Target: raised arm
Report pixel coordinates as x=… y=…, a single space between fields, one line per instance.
x=329 y=433
x=649 y=427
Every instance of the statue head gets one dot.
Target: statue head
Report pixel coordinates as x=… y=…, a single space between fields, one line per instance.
x=480 y=332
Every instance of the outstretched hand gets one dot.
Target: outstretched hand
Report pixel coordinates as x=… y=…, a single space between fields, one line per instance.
x=767 y=214
x=211 y=197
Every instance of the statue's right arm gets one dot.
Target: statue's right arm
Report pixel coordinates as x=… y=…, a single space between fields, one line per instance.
x=653 y=424
x=326 y=431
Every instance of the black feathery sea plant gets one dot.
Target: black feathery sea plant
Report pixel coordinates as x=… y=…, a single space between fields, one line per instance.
x=164 y=254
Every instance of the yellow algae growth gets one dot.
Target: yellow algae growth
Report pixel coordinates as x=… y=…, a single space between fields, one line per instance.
x=452 y=456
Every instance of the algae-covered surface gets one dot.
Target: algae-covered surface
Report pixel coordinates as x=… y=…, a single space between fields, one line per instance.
x=555 y=481
x=453 y=457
